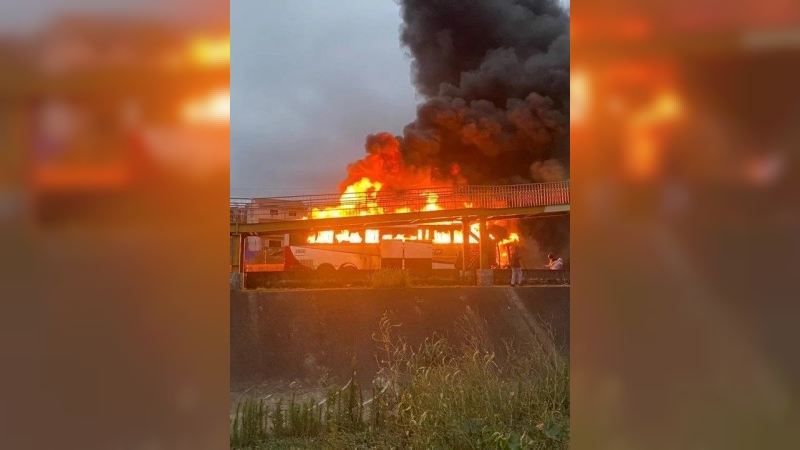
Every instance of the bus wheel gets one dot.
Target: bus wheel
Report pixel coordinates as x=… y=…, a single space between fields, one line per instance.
x=349 y=268
x=326 y=270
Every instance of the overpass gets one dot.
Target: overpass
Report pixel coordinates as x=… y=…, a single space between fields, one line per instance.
x=463 y=204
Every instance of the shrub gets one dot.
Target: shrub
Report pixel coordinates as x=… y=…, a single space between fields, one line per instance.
x=441 y=394
x=249 y=425
x=390 y=278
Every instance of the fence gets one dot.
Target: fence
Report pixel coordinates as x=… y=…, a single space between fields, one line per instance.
x=257 y=210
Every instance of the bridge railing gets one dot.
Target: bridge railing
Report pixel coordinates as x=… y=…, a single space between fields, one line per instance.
x=254 y=210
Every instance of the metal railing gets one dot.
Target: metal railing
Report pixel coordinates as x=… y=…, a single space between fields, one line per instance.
x=255 y=210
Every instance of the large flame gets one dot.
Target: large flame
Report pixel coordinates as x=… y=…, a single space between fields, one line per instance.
x=458 y=235
x=431 y=200
x=502 y=247
x=512 y=238
x=373 y=236
x=358 y=199
x=344 y=236
x=361 y=199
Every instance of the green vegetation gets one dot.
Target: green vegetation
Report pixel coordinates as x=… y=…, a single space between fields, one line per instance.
x=444 y=394
x=390 y=278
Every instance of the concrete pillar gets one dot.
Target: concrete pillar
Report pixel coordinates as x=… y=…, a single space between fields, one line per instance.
x=237 y=262
x=237 y=281
x=467 y=275
x=237 y=253
x=484 y=243
x=465 y=253
x=485 y=274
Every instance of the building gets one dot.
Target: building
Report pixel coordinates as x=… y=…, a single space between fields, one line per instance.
x=267 y=209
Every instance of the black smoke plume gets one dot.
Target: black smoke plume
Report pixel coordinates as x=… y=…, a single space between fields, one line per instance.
x=495 y=78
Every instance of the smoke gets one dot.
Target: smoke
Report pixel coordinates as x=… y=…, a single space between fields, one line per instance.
x=546 y=236
x=494 y=76
x=385 y=163
x=549 y=170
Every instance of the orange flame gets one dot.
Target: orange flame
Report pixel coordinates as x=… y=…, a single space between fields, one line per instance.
x=322 y=237
x=358 y=199
x=346 y=236
x=458 y=235
x=502 y=247
x=361 y=199
x=442 y=237
x=431 y=202
x=372 y=236
x=513 y=237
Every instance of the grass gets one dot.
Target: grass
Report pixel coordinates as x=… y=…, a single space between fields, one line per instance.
x=390 y=278
x=443 y=394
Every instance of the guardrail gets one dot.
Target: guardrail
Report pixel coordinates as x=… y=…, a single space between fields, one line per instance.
x=255 y=210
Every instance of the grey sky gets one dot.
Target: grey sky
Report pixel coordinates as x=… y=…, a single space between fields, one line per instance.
x=309 y=80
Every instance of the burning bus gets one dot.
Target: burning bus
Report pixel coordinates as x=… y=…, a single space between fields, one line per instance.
x=346 y=256
x=436 y=246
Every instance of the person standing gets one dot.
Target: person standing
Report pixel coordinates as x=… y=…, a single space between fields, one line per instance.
x=516 y=267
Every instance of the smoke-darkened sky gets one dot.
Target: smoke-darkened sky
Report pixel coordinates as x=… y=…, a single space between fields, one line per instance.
x=309 y=81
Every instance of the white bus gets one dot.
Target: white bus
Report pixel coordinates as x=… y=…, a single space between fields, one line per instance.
x=330 y=251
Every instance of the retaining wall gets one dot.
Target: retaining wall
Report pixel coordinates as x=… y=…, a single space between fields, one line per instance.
x=301 y=334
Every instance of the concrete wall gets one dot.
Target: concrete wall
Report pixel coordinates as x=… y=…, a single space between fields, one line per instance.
x=434 y=277
x=300 y=334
